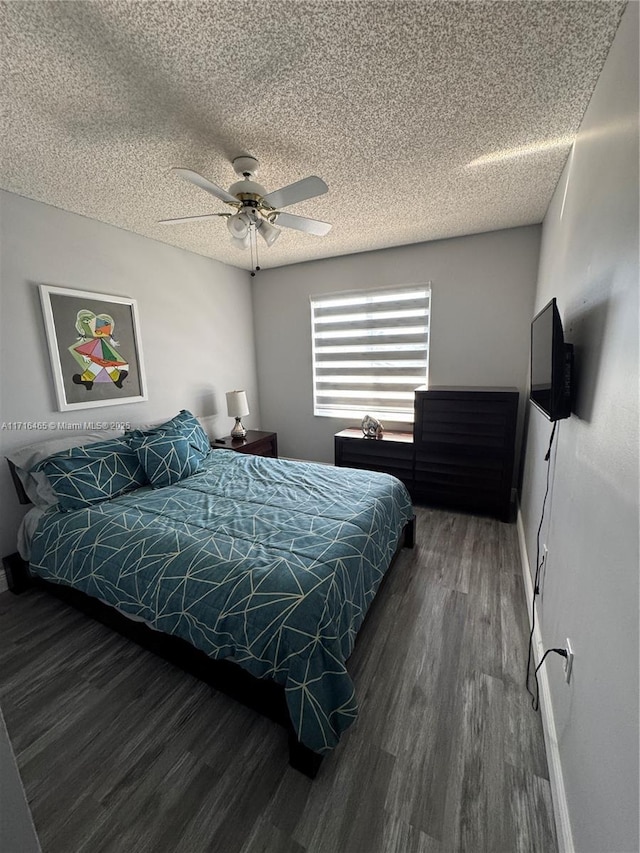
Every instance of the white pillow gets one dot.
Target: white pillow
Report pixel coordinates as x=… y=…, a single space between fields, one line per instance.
x=27 y=529
x=36 y=484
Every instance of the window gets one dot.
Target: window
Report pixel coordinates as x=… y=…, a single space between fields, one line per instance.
x=370 y=351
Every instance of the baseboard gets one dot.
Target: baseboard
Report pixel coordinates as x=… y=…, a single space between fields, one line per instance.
x=556 y=779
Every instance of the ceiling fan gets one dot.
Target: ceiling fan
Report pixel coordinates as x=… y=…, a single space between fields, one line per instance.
x=257 y=211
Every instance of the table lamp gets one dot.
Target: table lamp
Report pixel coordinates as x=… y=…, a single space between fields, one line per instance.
x=237 y=407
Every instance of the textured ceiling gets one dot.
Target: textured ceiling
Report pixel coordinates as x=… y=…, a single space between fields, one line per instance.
x=388 y=102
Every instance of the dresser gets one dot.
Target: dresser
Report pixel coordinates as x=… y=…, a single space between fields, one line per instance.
x=460 y=454
x=464 y=445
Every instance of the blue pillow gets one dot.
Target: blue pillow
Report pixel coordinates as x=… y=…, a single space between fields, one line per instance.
x=166 y=457
x=82 y=476
x=189 y=426
x=184 y=424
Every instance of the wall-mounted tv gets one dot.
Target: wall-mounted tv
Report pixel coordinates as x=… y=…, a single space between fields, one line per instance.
x=551 y=365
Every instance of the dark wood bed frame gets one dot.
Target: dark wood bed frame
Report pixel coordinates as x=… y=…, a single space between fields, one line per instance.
x=262 y=695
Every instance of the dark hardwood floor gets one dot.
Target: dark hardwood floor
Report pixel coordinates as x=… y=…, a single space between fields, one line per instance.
x=122 y=753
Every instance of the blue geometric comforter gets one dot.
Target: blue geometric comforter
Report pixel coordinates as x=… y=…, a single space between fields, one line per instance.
x=272 y=562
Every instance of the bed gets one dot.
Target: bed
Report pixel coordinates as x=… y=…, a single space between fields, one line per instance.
x=263 y=568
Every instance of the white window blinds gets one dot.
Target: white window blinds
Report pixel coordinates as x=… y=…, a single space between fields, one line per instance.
x=370 y=351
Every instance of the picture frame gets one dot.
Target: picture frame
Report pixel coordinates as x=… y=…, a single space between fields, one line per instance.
x=94 y=346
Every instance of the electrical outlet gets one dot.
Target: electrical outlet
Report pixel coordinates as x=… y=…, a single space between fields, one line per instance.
x=568 y=661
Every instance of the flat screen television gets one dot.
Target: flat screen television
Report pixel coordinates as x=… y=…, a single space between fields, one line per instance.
x=551 y=365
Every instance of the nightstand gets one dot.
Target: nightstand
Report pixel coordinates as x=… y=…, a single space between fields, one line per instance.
x=256 y=442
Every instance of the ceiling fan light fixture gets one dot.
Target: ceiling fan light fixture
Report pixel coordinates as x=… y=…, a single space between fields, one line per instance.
x=238 y=225
x=268 y=232
x=241 y=243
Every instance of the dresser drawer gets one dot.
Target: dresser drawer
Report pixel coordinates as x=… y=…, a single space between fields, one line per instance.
x=265 y=447
x=464 y=470
x=256 y=442
x=446 y=493
x=464 y=423
x=387 y=455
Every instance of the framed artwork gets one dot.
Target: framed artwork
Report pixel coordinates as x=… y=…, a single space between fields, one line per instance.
x=94 y=347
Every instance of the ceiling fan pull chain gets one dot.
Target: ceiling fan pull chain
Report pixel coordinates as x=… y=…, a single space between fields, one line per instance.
x=253 y=243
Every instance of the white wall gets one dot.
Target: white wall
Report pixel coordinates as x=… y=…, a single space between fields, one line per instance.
x=195 y=317
x=589 y=262
x=482 y=297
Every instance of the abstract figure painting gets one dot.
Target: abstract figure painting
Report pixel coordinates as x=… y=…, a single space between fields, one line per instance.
x=94 y=351
x=94 y=346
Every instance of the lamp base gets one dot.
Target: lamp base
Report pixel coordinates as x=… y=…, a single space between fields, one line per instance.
x=238 y=430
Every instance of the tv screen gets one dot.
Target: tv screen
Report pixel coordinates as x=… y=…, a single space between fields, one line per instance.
x=551 y=364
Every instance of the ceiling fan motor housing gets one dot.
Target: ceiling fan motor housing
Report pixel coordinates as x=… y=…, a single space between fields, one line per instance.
x=247 y=188
x=245 y=166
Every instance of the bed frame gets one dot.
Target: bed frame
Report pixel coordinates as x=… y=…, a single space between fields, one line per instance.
x=260 y=694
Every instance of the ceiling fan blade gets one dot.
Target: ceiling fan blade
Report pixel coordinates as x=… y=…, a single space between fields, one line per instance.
x=190 y=218
x=301 y=223
x=204 y=184
x=301 y=190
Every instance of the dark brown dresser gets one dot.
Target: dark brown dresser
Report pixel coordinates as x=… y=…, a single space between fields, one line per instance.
x=391 y=454
x=464 y=443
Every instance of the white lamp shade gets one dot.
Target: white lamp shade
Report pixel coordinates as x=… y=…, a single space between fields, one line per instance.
x=268 y=232
x=237 y=406
x=238 y=225
x=241 y=244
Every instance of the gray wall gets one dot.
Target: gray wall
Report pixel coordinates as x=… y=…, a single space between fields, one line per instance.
x=589 y=261
x=195 y=318
x=482 y=297
x=17 y=832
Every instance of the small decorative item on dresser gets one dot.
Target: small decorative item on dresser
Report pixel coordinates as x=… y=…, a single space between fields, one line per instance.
x=237 y=407
x=371 y=427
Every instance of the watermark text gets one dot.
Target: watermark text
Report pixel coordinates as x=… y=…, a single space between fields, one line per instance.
x=63 y=426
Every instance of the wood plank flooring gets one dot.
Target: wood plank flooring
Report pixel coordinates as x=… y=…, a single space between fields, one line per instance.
x=120 y=752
